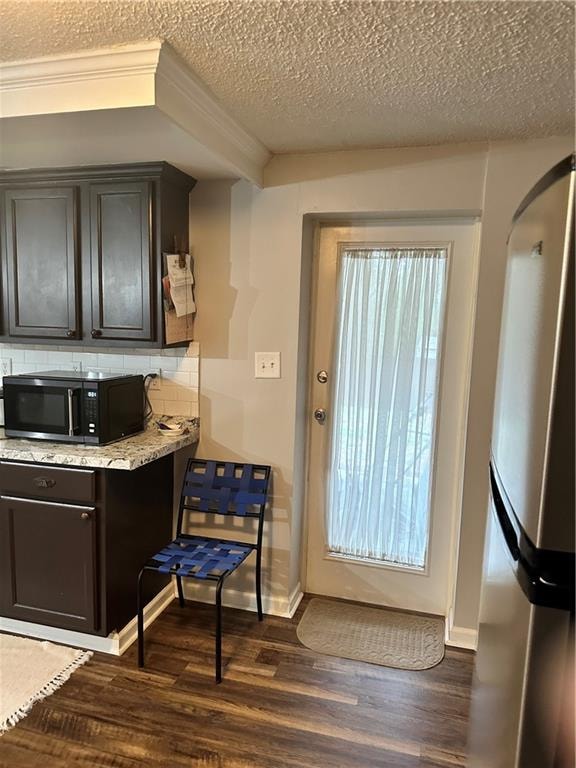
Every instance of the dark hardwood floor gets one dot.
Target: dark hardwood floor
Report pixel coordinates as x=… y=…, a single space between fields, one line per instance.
x=279 y=706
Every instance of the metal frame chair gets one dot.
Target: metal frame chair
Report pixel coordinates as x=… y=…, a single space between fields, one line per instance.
x=219 y=488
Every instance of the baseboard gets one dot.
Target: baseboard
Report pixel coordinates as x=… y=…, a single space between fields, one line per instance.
x=115 y=643
x=155 y=607
x=233 y=598
x=461 y=637
x=294 y=601
x=118 y=642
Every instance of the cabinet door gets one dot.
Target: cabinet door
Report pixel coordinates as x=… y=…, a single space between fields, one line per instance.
x=41 y=242
x=121 y=254
x=48 y=563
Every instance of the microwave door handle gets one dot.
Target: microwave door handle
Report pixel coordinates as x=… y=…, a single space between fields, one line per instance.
x=70 y=412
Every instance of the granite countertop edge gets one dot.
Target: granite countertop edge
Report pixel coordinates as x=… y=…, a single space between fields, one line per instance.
x=127 y=454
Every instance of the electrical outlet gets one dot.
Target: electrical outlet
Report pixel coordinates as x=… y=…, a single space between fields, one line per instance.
x=6 y=366
x=155 y=383
x=267 y=365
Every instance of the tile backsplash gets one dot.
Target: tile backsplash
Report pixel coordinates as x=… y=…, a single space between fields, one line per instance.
x=175 y=394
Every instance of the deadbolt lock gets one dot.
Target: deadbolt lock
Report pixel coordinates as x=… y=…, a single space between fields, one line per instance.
x=320 y=415
x=322 y=376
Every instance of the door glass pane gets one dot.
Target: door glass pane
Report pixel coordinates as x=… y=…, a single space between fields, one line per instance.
x=390 y=310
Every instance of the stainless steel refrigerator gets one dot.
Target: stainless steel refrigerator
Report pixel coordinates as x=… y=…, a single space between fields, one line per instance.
x=524 y=666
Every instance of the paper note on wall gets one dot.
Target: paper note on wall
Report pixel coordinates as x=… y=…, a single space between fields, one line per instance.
x=179 y=275
x=183 y=299
x=179 y=305
x=180 y=282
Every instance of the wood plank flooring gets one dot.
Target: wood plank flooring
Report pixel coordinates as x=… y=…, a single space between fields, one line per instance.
x=280 y=705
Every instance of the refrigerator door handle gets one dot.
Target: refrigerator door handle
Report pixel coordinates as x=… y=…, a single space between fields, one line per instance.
x=508 y=530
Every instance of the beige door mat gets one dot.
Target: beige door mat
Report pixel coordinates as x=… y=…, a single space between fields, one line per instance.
x=375 y=635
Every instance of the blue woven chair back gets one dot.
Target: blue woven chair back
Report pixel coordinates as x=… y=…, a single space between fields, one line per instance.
x=225 y=488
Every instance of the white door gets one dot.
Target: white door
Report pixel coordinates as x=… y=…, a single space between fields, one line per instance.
x=391 y=349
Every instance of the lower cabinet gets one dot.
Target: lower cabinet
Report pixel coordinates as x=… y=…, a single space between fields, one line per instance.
x=72 y=541
x=49 y=562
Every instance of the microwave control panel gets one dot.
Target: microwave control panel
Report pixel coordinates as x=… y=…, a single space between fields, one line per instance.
x=91 y=411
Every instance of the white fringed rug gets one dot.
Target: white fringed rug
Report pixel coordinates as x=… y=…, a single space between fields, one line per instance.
x=30 y=670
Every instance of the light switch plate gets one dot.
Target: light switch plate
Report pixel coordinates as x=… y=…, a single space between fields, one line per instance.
x=267 y=365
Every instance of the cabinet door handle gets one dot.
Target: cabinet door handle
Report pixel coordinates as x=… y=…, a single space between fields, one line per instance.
x=44 y=482
x=96 y=333
x=70 y=334
x=85 y=515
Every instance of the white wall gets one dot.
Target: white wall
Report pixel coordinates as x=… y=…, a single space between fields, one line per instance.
x=253 y=252
x=248 y=249
x=247 y=253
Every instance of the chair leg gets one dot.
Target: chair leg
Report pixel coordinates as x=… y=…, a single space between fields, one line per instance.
x=140 y=614
x=180 y=591
x=219 y=632
x=259 y=584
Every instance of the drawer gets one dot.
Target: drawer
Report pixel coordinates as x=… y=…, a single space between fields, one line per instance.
x=46 y=482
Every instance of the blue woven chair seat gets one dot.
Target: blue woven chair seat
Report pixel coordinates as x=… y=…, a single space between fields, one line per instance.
x=200 y=557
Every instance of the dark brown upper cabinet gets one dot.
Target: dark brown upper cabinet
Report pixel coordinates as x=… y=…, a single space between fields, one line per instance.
x=82 y=251
x=121 y=255
x=42 y=258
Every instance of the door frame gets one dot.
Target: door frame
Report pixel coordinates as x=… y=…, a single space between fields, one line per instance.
x=474 y=220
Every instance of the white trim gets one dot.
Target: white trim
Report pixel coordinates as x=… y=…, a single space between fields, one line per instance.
x=233 y=598
x=294 y=601
x=186 y=100
x=108 y=78
x=456 y=526
x=155 y=607
x=146 y=74
x=136 y=58
x=373 y=563
x=462 y=637
x=115 y=644
x=118 y=642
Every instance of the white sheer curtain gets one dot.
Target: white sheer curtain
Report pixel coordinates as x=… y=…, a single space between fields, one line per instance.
x=388 y=344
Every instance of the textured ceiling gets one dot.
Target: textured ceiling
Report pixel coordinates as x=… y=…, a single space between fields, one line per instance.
x=325 y=74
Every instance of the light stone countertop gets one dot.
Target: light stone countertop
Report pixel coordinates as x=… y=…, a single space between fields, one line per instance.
x=128 y=453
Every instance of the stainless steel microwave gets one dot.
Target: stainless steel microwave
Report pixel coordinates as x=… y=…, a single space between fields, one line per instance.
x=73 y=406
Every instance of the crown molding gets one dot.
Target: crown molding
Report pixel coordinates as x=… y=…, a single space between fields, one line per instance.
x=109 y=78
x=185 y=98
x=136 y=59
x=145 y=74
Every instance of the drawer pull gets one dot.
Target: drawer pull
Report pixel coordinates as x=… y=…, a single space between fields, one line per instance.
x=85 y=515
x=44 y=482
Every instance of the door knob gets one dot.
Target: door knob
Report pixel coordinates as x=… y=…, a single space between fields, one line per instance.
x=320 y=415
